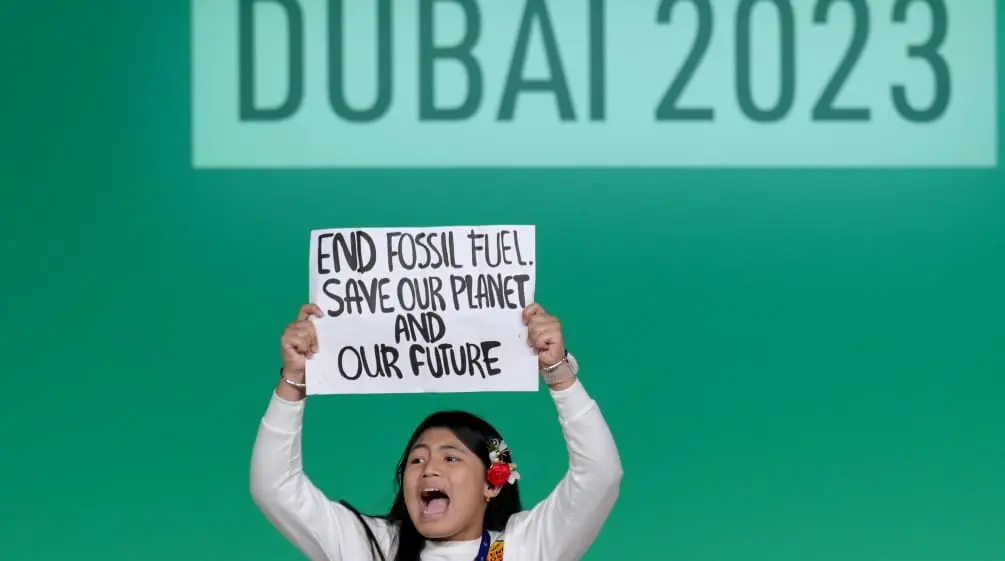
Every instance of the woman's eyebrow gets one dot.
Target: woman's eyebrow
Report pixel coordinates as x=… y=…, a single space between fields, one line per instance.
x=440 y=447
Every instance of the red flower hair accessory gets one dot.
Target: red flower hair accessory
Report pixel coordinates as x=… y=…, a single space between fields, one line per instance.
x=502 y=470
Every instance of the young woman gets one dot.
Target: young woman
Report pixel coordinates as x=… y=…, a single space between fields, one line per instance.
x=458 y=497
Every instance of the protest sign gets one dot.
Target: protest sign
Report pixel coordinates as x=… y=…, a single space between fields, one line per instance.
x=410 y=310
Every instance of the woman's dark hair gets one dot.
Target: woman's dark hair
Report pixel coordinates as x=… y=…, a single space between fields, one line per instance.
x=475 y=433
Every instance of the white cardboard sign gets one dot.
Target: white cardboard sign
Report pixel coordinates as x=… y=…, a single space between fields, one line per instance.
x=411 y=310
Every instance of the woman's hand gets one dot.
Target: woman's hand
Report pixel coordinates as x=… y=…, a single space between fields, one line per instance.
x=298 y=343
x=544 y=334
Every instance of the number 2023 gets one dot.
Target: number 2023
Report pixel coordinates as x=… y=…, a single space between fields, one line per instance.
x=824 y=109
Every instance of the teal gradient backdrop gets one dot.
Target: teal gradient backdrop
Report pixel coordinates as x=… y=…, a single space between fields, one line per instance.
x=796 y=364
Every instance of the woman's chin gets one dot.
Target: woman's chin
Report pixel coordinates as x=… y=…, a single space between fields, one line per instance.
x=442 y=526
x=439 y=529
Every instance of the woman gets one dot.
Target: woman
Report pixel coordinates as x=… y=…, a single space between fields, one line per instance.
x=458 y=496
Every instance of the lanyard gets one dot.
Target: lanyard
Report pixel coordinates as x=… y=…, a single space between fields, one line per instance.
x=483 y=550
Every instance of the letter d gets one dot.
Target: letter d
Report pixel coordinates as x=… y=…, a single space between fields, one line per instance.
x=295 y=65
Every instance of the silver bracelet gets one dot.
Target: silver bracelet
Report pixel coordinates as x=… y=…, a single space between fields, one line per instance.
x=297 y=385
x=555 y=373
x=557 y=364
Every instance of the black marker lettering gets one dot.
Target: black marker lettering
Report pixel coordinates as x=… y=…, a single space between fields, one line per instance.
x=421 y=294
x=389 y=359
x=450 y=251
x=504 y=247
x=476 y=247
x=516 y=247
x=469 y=359
x=356 y=293
x=359 y=252
x=425 y=250
x=428 y=327
x=353 y=362
x=497 y=251
x=485 y=291
x=338 y=305
x=322 y=270
x=417 y=292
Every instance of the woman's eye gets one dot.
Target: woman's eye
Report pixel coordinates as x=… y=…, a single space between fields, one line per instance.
x=416 y=461
x=451 y=459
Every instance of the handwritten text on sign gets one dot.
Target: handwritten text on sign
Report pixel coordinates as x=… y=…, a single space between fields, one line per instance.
x=422 y=310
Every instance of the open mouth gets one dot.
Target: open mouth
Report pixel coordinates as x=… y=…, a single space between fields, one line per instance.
x=434 y=502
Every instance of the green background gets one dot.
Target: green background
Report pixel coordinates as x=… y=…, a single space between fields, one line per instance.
x=796 y=364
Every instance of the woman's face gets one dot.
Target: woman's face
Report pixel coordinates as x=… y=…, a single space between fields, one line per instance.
x=445 y=487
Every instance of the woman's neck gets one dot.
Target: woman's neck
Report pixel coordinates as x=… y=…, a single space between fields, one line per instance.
x=474 y=532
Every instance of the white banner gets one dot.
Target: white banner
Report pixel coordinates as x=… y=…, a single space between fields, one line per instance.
x=410 y=310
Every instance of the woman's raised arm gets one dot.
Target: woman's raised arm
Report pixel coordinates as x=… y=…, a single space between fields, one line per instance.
x=564 y=525
x=319 y=528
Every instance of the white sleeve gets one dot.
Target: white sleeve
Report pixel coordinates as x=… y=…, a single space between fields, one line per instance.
x=564 y=525
x=321 y=529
